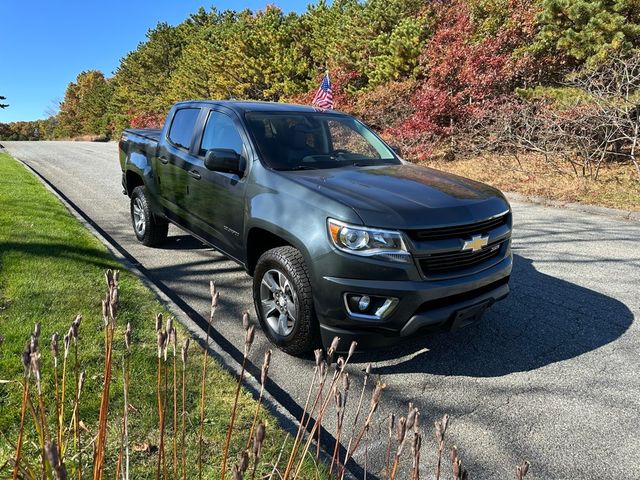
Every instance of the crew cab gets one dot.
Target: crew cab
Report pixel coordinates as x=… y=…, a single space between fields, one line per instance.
x=341 y=235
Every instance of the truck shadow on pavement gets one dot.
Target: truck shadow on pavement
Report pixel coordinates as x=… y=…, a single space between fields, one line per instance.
x=544 y=320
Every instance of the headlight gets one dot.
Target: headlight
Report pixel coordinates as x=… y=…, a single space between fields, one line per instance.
x=370 y=242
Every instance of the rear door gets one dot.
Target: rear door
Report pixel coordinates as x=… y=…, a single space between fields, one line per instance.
x=219 y=197
x=175 y=162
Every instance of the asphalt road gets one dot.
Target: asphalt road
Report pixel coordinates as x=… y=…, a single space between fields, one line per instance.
x=550 y=375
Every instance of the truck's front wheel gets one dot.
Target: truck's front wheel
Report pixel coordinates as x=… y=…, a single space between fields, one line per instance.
x=149 y=231
x=284 y=302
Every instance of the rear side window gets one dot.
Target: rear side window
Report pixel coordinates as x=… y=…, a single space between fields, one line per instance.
x=182 y=127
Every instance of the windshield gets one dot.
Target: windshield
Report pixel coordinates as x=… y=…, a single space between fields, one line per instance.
x=300 y=140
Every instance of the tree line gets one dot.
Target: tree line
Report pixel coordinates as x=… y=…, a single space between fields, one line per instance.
x=418 y=70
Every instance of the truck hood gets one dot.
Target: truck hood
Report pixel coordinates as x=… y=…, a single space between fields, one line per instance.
x=405 y=196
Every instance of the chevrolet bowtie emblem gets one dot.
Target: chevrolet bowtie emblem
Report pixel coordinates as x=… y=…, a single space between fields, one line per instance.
x=476 y=243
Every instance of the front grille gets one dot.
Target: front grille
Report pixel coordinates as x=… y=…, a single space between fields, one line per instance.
x=451 y=262
x=459 y=231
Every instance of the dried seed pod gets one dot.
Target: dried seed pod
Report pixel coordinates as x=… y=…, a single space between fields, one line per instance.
x=522 y=470
x=105 y=312
x=26 y=359
x=113 y=303
x=35 y=369
x=212 y=289
x=162 y=340
x=185 y=350
x=36 y=330
x=339 y=405
x=109 y=277
x=352 y=348
x=127 y=338
x=258 y=439
x=235 y=473
x=346 y=382
x=244 y=462
x=375 y=397
x=340 y=363
x=33 y=345
x=158 y=322
x=169 y=324
x=411 y=416
x=248 y=339
x=323 y=369
x=402 y=429
x=83 y=377
x=67 y=343
x=453 y=454
x=367 y=371
x=116 y=277
x=245 y=320
x=55 y=349
x=265 y=367
x=53 y=456
x=332 y=349
x=75 y=328
x=319 y=354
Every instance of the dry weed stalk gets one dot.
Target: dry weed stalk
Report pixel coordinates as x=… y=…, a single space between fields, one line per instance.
x=405 y=425
x=521 y=470
x=459 y=472
x=173 y=340
x=248 y=341
x=373 y=407
x=126 y=370
x=263 y=379
x=441 y=429
x=340 y=370
x=161 y=353
x=26 y=364
x=185 y=357
x=215 y=295
x=109 y=315
x=55 y=351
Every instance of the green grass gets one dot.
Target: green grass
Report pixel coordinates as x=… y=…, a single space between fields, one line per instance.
x=52 y=268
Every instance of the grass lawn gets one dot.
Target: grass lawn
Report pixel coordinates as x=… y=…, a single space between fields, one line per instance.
x=52 y=268
x=618 y=186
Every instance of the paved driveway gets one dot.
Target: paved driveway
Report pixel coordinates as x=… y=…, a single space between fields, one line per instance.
x=551 y=374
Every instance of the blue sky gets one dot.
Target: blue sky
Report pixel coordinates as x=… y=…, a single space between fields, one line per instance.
x=44 y=44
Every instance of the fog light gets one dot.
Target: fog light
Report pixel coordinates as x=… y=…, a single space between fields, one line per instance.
x=364 y=302
x=369 y=306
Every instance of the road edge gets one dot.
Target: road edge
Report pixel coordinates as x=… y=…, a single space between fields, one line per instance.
x=287 y=421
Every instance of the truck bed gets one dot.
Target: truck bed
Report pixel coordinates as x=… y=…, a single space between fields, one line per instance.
x=148 y=133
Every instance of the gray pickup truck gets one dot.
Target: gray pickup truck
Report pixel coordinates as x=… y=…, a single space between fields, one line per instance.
x=342 y=237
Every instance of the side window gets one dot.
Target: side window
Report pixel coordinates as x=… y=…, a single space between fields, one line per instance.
x=220 y=132
x=182 y=126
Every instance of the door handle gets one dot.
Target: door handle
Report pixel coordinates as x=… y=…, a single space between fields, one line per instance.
x=195 y=174
x=164 y=160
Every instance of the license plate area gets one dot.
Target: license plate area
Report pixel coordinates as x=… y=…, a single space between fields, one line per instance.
x=467 y=316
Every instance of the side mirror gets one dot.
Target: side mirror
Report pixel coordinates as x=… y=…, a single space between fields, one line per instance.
x=396 y=149
x=222 y=160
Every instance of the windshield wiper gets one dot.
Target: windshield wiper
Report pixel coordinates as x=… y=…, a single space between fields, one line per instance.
x=302 y=167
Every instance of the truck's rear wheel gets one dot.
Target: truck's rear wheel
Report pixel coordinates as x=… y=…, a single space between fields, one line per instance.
x=149 y=231
x=284 y=302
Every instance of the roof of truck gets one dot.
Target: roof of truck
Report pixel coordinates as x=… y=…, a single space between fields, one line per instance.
x=242 y=106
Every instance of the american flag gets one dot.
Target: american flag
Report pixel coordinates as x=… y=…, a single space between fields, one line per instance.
x=324 y=95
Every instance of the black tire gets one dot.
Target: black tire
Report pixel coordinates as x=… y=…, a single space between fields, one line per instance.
x=149 y=230
x=304 y=333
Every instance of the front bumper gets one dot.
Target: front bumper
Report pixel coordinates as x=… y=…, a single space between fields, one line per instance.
x=423 y=305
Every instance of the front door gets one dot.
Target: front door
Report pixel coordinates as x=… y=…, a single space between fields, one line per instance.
x=219 y=197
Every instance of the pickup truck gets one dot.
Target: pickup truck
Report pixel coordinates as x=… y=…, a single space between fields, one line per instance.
x=341 y=236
